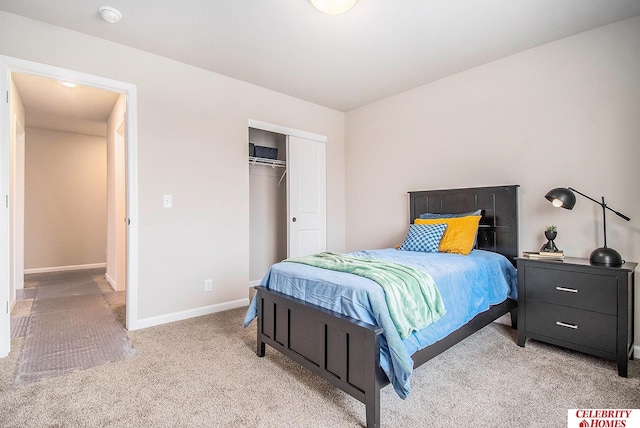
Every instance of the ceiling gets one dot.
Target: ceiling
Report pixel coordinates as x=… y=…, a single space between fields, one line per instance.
x=377 y=49
x=50 y=105
x=43 y=95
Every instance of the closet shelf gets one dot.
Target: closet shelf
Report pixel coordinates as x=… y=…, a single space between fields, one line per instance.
x=273 y=163
x=269 y=162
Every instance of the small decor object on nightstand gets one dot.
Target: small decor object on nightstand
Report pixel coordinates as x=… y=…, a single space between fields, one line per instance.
x=544 y=255
x=550 y=233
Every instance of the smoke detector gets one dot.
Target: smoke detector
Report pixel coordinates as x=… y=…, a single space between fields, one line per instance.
x=110 y=14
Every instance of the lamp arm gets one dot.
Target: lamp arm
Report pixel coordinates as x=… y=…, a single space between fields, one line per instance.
x=588 y=197
x=602 y=204
x=619 y=214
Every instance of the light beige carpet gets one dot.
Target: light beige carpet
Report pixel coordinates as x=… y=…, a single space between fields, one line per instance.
x=204 y=372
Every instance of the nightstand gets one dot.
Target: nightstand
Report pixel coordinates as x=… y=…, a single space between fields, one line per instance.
x=579 y=306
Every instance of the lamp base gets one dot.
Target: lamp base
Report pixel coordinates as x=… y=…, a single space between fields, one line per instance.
x=605 y=256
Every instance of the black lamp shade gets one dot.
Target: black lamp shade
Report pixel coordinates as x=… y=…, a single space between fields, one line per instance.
x=563 y=195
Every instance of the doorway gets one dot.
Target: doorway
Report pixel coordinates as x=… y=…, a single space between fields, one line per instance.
x=124 y=137
x=68 y=180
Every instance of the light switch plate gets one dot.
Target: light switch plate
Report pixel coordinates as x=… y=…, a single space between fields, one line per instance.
x=167 y=201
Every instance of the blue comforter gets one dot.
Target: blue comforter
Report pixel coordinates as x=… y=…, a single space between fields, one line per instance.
x=468 y=285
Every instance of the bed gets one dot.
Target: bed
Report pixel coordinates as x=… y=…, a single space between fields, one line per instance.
x=358 y=353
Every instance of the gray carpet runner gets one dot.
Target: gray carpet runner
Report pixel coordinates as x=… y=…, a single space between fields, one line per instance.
x=70 y=327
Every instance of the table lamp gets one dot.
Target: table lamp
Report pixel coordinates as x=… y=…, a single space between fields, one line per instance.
x=564 y=197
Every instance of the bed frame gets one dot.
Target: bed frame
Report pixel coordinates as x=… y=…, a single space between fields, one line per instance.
x=346 y=352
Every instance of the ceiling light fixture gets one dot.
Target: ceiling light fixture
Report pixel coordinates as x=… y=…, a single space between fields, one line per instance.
x=333 y=7
x=68 y=84
x=110 y=14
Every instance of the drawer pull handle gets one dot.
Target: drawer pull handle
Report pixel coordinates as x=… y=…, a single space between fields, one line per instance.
x=570 y=290
x=564 y=324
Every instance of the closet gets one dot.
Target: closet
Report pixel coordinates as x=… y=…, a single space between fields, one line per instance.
x=267 y=205
x=287 y=197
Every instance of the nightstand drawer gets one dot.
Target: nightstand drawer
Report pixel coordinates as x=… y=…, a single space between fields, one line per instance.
x=580 y=327
x=591 y=292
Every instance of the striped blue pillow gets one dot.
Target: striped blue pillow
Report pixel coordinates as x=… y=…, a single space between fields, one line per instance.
x=423 y=237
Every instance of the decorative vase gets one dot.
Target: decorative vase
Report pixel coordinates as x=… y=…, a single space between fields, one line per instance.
x=550 y=246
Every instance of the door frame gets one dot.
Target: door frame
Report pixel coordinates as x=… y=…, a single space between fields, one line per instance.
x=17 y=211
x=279 y=129
x=7 y=66
x=120 y=211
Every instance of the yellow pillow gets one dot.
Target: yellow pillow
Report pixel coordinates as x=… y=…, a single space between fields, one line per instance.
x=459 y=235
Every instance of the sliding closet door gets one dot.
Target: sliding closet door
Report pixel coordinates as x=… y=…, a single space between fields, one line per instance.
x=307 y=196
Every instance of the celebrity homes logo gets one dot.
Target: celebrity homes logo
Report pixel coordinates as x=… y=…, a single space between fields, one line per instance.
x=603 y=418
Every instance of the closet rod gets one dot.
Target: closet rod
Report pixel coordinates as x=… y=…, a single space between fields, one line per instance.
x=273 y=163
x=268 y=162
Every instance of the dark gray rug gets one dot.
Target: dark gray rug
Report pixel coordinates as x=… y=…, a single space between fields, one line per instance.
x=71 y=327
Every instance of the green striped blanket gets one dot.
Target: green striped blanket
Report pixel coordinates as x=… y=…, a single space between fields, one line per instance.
x=412 y=297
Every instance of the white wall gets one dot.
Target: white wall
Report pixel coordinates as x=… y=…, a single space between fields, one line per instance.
x=65 y=220
x=192 y=144
x=563 y=114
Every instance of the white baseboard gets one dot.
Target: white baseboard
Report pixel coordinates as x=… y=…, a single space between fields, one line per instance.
x=191 y=313
x=111 y=282
x=255 y=282
x=65 y=268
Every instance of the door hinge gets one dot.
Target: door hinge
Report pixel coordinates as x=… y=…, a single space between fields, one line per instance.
x=6 y=198
x=7 y=97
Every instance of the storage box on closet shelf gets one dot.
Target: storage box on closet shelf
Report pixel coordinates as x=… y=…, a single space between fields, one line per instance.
x=260 y=155
x=266 y=152
x=264 y=156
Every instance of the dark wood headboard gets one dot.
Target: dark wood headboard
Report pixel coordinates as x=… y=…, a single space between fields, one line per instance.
x=498 y=230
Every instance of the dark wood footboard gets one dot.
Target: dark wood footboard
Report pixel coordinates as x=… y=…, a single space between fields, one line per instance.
x=342 y=350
